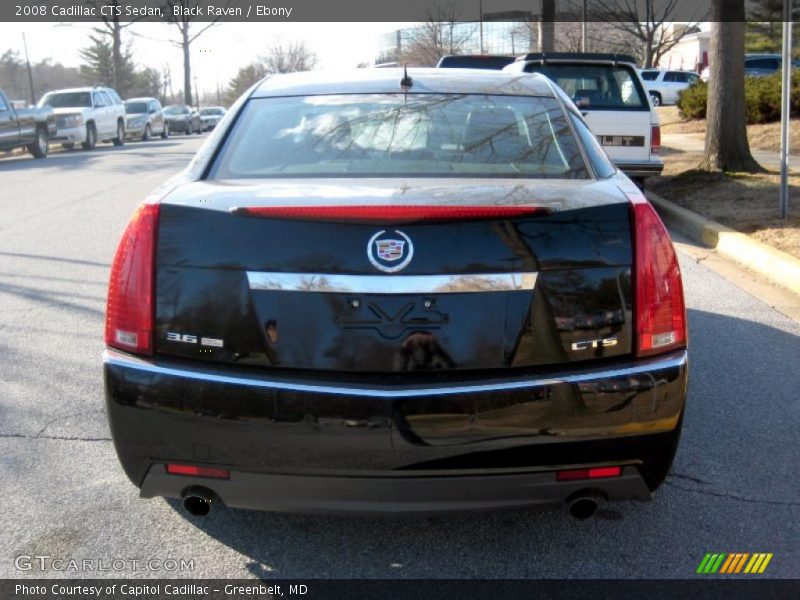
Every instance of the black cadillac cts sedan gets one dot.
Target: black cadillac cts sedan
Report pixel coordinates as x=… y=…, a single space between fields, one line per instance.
x=386 y=292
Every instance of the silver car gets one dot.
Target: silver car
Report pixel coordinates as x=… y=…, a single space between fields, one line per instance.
x=210 y=116
x=145 y=118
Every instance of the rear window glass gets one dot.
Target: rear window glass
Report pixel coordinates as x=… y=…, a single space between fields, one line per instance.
x=649 y=75
x=67 y=100
x=597 y=86
x=135 y=108
x=415 y=135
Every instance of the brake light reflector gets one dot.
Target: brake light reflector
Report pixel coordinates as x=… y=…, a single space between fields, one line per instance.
x=391 y=213
x=593 y=473
x=130 y=304
x=655 y=139
x=659 y=306
x=195 y=471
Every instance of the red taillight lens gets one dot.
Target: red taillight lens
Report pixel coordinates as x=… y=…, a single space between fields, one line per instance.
x=129 y=309
x=392 y=213
x=593 y=473
x=655 y=139
x=195 y=471
x=660 y=312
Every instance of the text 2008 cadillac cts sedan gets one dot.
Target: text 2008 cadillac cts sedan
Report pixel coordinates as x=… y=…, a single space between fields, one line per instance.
x=386 y=292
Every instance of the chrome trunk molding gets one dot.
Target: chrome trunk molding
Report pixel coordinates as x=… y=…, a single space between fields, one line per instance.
x=392 y=284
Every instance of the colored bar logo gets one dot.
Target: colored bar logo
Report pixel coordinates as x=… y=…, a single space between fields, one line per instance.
x=734 y=563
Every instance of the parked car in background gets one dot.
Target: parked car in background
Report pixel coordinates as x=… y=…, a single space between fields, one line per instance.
x=87 y=115
x=145 y=118
x=183 y=119
x=610 y=94
x=29 y=128
x=210 y=116
x=664 y=85
x=475 y=61
x=368 y=298
x=758 y=65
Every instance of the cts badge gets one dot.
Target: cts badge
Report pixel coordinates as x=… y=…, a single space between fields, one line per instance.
x=385 y=249
x=600 y=343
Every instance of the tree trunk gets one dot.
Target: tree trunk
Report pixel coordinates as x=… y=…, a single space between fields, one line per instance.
x=116 y=48
x=547 y=30
x=727 y=148
x=187 y=66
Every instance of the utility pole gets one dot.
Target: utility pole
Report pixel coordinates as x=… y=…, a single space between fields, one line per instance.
x=786 y=86
x=196 y=95
x=30 y=71
x=583 y=27
x=480 y=17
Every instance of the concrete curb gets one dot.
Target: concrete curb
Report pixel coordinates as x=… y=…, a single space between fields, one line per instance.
x=779 y=267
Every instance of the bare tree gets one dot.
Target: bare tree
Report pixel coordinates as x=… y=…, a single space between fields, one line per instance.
x=727 y=148
x=649 y=22
x=188 y=34
x=112 y=27
x=439 y=35
x=288 y=58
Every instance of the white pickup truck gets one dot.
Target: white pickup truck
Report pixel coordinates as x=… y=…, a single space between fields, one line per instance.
x=610 y=94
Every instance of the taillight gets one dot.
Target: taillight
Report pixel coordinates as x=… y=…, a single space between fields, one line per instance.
x=130 y=305
x=659 y=307
x=195 y=471
x=593 y=473
x=391 y=213
x=655 y=139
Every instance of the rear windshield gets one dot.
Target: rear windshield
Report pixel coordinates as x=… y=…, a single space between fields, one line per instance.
x=649 y=75
x=67 y=100
x=176 y=110
x=212 y=111
x=597 y=86
x=418 y=135
x=135 y=108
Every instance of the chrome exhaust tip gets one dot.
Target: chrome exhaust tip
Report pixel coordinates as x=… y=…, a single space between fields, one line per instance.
x=198 y=501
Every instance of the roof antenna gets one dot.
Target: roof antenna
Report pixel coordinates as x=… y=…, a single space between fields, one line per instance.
x=406 y=82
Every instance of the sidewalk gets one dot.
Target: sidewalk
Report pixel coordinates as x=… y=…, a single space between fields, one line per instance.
x=686 y=142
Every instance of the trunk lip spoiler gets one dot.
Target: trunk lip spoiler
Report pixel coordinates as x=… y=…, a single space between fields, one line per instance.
x=391 y=284
x=676 y=359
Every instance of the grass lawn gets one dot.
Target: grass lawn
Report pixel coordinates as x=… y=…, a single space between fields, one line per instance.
x=765 y=136
x=745 y=202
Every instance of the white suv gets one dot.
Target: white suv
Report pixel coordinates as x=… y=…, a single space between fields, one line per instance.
x=664 y=86
x=87 y=115
x=609 y=92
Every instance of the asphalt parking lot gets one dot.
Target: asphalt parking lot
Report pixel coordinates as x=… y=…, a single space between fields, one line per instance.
x=734 y=486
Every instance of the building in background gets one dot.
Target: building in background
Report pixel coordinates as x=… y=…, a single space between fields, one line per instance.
x=690 y=54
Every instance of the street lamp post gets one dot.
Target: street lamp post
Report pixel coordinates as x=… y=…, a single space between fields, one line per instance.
x=786 y=83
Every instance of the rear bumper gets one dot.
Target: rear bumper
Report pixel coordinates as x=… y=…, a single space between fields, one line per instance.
x=312 y=445
x=398 y=494
x=641 y=170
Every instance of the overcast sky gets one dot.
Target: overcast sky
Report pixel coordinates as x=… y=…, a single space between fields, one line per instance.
x=216 y=55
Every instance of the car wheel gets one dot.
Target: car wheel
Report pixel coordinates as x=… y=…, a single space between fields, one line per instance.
x=189 y=129
x=656 y=98
x=146 y=134
x=41 y=146
x=120 y=139
x=91 y=137
x=165 y=132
